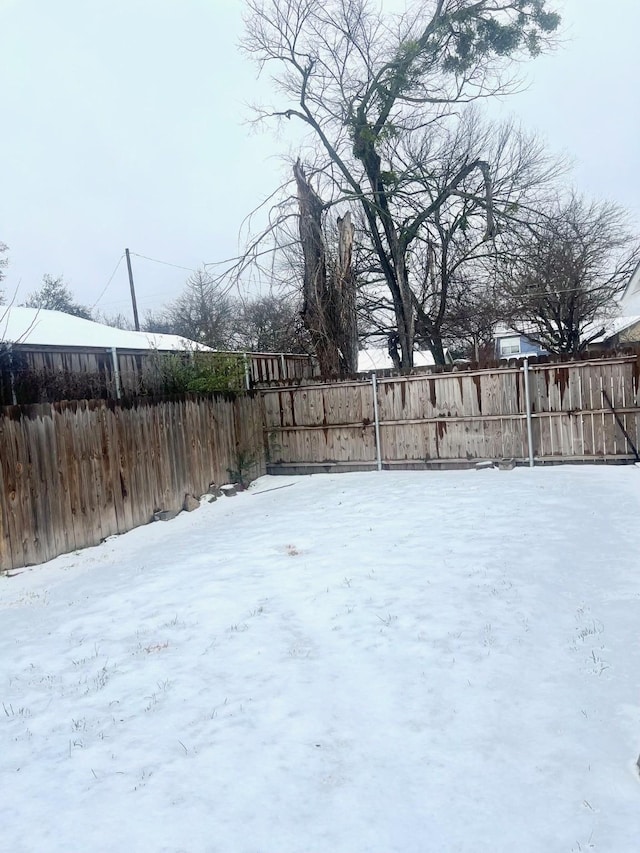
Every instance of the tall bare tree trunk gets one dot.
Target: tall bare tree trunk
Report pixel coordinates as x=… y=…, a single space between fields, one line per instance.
x=329 y=304
x=343 y=285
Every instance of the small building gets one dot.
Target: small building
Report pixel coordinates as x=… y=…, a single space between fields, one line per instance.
x=512 y=344
x=609 y=334
x=39 y=327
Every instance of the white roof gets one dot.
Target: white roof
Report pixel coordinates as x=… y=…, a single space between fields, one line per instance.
x=377 y=358
x=502 y=330
x=38 y=326
x=612 y=327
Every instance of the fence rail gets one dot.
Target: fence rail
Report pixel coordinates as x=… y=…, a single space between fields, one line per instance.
x=452 y=418
x=74 y=473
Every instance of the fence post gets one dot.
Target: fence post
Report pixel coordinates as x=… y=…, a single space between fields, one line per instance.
x=116 y=372
x=12 y=378
x=283 y=366
x=376 y=418
x=247 y=375
x=527 y=398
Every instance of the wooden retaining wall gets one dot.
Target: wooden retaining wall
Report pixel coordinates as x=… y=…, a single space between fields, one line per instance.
x=74 y=473
x=452 y=418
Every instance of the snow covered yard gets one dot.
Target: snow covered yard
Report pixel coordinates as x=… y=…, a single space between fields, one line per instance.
x=396 y=663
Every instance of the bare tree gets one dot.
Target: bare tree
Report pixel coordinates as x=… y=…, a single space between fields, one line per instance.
x=159 y=322
x=270 y=323
x=449 y=264
x=202 y=313
x=564 y=279
x=329 y=291
x=359 y=81
x=475 y=309
x=56 y=296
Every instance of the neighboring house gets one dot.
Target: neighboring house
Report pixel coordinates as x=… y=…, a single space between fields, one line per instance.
x=624 y=328
x=41 y=327
x=512 y=344
x=616 y=332
x=50 y=355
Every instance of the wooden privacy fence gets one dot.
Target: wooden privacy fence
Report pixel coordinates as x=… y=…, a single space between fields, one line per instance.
x=72 y=474
x=438 y=419
x=37 y=373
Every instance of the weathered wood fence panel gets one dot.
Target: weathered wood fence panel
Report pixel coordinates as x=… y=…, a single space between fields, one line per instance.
x=270 y=367
x=430 y=419
x=29 y=372
x=74 y=473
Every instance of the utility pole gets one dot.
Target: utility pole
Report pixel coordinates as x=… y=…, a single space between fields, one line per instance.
x=133 y=293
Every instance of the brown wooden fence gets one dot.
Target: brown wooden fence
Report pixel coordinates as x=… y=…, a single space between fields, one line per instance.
x=72 y=474
x=37 y=373
x=452 y=418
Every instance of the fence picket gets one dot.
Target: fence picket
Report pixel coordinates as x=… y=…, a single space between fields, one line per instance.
x=73 y=473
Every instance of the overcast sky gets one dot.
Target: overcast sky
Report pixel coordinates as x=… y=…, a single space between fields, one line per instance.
x=123 y=123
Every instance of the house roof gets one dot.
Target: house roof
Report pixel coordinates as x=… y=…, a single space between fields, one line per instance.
x=612 y=327
x=41 y=327
x=502 y=330
x=377 y=358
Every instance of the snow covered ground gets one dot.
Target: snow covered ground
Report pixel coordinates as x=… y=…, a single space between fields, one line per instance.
x=397 y=663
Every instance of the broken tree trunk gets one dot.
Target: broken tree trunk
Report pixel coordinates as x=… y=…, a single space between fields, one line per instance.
x=329 y=304
x=343 y=285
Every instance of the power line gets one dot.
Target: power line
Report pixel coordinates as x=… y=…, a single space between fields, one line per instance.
x=111 y=277
x=144 y=299
x=165 y=263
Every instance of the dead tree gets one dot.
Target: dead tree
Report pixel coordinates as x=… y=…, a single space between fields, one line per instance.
x=343 y=286
x=329 y=288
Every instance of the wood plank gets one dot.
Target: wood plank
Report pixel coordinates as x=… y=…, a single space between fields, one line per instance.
x=13 y=519
x=6 y=555
x=44 y=533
